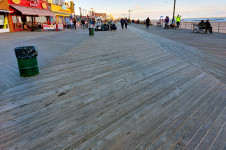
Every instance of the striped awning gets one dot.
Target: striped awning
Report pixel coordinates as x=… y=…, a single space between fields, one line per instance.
x=32 y=11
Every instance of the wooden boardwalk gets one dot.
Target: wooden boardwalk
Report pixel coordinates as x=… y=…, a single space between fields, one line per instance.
x=116 y=90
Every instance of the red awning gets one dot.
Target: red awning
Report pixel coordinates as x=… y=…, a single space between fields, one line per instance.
x=32 y=11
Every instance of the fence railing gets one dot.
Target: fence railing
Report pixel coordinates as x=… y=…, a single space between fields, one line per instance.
x=219 y=27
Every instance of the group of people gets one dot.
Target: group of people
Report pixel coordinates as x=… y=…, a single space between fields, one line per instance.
x=32 y=26
x=172 y=25
x=124 y=22
x=205 y=25
x=202 y=25
x=167 y=26
x=73 y=23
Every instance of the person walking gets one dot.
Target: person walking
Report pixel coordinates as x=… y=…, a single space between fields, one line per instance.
x=74 y=21
x=126 y=23
x=71 y=24
x=83 y=23
x=122 y=23
x=147 y=23
x=91 y=23
x=178 y=19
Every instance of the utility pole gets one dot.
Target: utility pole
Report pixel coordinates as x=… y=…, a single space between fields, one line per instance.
x=174 y=11
x=80 y=10
x=129 y=13
x=92 y=12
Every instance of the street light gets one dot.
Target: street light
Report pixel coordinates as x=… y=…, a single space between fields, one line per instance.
x=129 y=13
x=174 y=11
x=80 y=10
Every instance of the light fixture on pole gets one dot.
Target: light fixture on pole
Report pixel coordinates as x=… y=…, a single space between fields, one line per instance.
x=129 y=13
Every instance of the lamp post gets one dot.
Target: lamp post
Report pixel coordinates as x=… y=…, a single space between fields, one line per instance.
x=129 y=13
x=174 y=11
x=80 y=10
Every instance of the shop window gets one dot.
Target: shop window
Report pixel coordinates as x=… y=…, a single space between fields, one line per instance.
x=3 y=22
x=67 y=20
x=53 y=20
x=17 y=22
x=28 y=19
x=41 y=19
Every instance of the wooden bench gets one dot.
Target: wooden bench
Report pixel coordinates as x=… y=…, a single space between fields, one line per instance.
x=197 y=29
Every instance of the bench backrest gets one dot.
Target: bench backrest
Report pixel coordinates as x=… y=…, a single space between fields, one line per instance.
x=195 y=24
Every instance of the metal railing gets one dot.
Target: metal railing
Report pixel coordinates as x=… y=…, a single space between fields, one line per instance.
x=219 y=27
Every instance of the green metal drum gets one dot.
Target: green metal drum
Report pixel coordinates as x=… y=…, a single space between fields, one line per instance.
x=91 y=31
x=28 y=67
x=27 y=60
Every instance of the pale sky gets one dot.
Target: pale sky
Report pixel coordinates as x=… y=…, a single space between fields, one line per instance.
x=142 y=9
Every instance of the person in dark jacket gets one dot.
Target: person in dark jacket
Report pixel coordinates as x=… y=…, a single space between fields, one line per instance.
x=74 y=21
x=202 y=24
x=147 y=23
x=83 y=23
x=126 y=23
x=122 y=23
x=208 y=27
x=166 y=23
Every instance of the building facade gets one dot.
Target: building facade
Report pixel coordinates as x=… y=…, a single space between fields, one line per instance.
x=63 y=12
x=25 y=13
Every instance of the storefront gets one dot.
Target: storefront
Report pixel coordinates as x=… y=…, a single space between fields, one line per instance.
x=27 y=13
x=63 y=14
x=5 y=18
x=4 y=25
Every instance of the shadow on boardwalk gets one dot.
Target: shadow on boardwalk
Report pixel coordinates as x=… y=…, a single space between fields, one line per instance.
x=117 y=90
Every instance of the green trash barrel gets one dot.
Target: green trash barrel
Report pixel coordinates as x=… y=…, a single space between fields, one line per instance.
x=91 y=31
x=27 y=60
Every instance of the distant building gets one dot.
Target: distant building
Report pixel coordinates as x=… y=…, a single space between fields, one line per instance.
x=103 y=15
x=63 y=13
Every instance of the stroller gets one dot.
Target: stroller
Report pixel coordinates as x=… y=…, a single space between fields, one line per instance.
x=167 y=26
x=98 y=28
x=113 y=27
